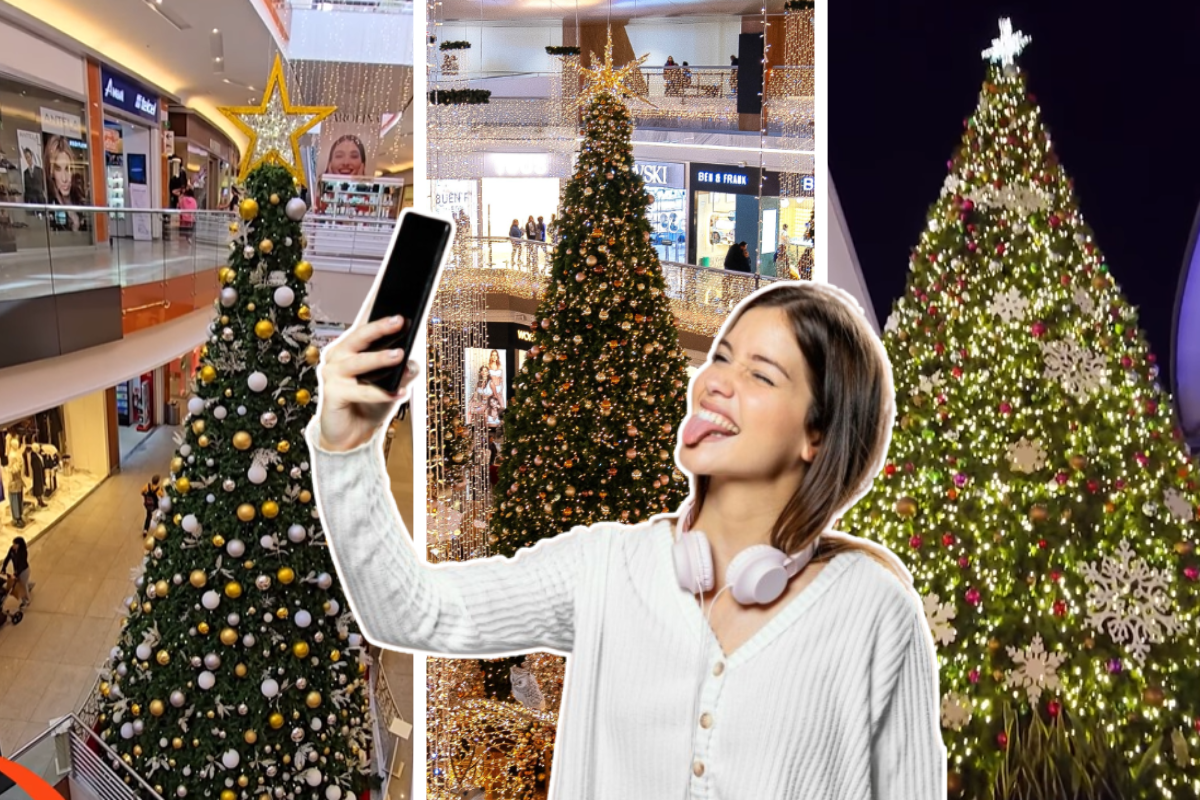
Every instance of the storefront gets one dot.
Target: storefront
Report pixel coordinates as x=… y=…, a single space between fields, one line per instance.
x=516 y=186
x=204 y=159
x=668 y=214
x=132 y=154
x=44 y=159
x=62 y=454
x=725 y=210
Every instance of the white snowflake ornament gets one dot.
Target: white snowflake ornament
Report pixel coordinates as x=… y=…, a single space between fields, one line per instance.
x=1084 y=301
x=1009 y=306
x=1080 y=370
x=928 y=384
x=956 y=711
x=939 y=615
x=1026 y=456
x=1036 y=669
x=1177 y=503
x=1129 y=601
x=893 y=323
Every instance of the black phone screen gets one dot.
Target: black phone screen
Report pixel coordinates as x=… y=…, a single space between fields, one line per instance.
x=406 y=288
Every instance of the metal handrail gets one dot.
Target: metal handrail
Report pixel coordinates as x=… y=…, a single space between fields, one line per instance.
x=370 y=6
x=51 y=208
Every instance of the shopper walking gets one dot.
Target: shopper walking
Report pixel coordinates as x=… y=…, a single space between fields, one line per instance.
x=152 y=492
x=18 y=556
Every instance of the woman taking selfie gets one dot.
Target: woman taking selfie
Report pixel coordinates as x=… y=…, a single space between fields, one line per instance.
x=702 y=664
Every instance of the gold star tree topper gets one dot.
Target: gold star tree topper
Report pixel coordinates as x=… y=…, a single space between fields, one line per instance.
x=606 y=80
x=275 y=126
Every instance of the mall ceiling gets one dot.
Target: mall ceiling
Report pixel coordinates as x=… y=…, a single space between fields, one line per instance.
x=591 y=10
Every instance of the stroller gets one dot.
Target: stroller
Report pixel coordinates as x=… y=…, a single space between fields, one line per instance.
x=10 y=606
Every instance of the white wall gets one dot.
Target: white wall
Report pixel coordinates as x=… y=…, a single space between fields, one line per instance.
x=354 y=36
x=26 y=56
x=87 y=432
x=701 y=44
x=503 y=48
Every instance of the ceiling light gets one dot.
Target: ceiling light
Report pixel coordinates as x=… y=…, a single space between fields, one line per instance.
x=225 y=79
x=218 y=58
x=215 y=30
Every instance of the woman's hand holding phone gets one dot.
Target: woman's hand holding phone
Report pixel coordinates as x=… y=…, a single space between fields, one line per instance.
x=351 y=411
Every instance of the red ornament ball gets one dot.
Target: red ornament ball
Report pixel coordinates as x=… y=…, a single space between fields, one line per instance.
x=1000 y=248
x=1002 y=740
x=948 y=539
x=1005 y=408
x=1053 y=707
x=1060 y=608
x=915 y=543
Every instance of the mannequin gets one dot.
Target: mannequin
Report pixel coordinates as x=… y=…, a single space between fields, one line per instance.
x=51 y=462
x=37 y=469
x=15 y=481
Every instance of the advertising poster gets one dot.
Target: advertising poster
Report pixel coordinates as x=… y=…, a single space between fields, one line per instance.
x=65 y=162
x=486 y=386
x=33 y=178
x=459 y=199
x=521 y=356
x=348 y=147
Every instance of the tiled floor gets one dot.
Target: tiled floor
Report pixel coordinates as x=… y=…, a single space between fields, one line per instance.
x=82 y=568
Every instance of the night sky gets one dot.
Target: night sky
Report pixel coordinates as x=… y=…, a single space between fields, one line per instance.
x=1119 y=91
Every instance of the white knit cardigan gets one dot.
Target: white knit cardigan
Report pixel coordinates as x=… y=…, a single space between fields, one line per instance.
x=835 y=698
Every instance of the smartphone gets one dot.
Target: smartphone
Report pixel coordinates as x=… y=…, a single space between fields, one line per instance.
x=406 y=285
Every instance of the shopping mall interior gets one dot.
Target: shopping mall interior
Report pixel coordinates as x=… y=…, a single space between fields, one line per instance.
x=122 y=198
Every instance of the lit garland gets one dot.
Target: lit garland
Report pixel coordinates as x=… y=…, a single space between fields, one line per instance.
x=239 y=673
x=1035 y=481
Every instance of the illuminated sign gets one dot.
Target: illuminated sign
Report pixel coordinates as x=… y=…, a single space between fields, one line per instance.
x=516 y=165
x=525 y=336
x=722 y=178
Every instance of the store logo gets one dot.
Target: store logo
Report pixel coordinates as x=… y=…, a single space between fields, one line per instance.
x=652 y=173
x=723 y=178
x=146 y=106
x=525 y=336
x=112 y=91
x=808 y=183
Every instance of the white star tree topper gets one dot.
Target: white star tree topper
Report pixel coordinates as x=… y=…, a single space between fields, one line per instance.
x=615 y=82
x=1004 y=51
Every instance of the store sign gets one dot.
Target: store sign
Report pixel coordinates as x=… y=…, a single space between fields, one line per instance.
x=525 y=336
x=516 y=165
x=808 y=183
x=733 y=180
x=658 y=174
x=722 y=178
x=61 y=123
x=456 y=198
x=120 y=92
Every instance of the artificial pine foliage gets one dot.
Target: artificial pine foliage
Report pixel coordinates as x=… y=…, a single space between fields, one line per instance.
x=1036 y=485
x=239 y=673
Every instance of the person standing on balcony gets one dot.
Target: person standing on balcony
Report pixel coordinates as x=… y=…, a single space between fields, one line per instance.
x=531 y=233
x=187 y=220
x=515 y=233
x=235 y=199
x=541 y=229
x=733 y=75
x=671 y=77
x=552 y=230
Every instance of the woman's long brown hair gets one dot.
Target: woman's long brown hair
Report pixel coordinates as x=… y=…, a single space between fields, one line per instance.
x=851 y=415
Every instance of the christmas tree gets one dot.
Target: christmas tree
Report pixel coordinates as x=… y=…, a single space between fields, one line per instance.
x=239 y=673
x=1045 y=503
x=590 y=433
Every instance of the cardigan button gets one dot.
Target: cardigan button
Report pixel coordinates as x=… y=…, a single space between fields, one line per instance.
x=719 y=668
x=706 y=720
x=698 y=769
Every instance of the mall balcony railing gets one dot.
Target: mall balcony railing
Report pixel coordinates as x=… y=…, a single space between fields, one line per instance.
x=370 y=6
x=65 y=273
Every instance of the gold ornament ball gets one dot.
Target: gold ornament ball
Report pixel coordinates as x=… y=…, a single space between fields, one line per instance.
x=303 y=271
x=335 y=656
x=266 y=246
x=228 y=636
x=148 y=544
x=177 y=743
x=250 y=737
x=218 y=540
x=242 y=440
x=954 y=782
x=906 y=507
x=285 y=575
x=1078 y=461
x=163 y=658
x=243 y=781
x=228 y=794
x=305 y=496
x=300 y=649
x=105 y=689
x=136 y=710
x=198 y=578
x=203 y=628
x=246 y=512
x=161 y=588
x=1153 y=695
x=250 y=306
x=303 y=397
x=229 y=392
x=160 y=532
x=275 y=720
x=240 y=671
x=248 y=209
x=313 y=699
x=137 y=749
x=183 y=485
x=304 y=313
x=264 y=329
x=1038 y=513
x=157 y=708
x=208 y=373
x=274 y=199
x=270 y=509
x=283 y=446
x=233 y=228
x=281 y=400
x=176 y=464
x=233 y=590
x=198 y=426
x=282 y=613
x=312 y=355
x=203 y=441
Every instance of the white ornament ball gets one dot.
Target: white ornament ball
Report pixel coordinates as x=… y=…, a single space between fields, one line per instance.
x=268 y=419
x=231 y=759
x=233 y=620
x=257 y=382
x=257 y=474
x=295 y=209
x=303 y=619
x=284 y=296
x=181 y=791
x=248 y=251
x=177 y=699
x=115 y=653
x=185 y=450
x=316 y=724
x=355 y=640
x=285 y=357
x=313 y=777
x=324 y=580
x=212 y=661
x=287 y=241
x=297 y=534
x=270 y=688
x=191 y=524
x=227 y=334
x=210 y=498
x=196 y=405
x=267 y=542
x=297 y=734
x=334 y=608
x=127 y=730
x=248 y=640
x=333 y=792
x=229 y=297
x=164 y=503
x=206 y=680
x=210 y=600
x=228 y=485
x=241 y=411
x=143 y=652
x=262 y=582
x=220 y=412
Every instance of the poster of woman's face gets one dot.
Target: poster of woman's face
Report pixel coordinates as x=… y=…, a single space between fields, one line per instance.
x=349 y=149
x=486 y=385
x=65 y=164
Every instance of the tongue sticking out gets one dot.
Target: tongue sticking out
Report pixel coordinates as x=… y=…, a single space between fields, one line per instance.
x=696 y=429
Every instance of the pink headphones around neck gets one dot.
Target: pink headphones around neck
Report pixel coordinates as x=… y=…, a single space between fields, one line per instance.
x=757 y=575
